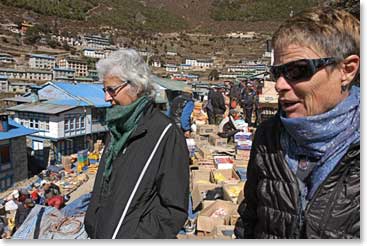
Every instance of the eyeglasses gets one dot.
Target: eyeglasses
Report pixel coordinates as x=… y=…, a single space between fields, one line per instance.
x=112 y=91
x=300 y=70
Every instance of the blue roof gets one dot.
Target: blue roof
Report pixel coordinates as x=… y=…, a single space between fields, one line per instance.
x=43 y=56
x=15 y=130
x=87 y=93
x=3 y=76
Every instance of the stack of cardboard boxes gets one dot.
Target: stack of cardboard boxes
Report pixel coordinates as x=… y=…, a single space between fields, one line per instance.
x=218 y=177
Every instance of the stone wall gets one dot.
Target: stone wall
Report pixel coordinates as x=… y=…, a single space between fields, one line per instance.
x=18 y=153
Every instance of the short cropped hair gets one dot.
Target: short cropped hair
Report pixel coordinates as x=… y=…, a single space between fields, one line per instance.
x=128 y=65
x=335 y=33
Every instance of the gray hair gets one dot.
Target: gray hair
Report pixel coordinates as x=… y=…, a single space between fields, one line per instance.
x=128 y=65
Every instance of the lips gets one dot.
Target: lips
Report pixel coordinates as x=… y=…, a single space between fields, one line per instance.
x=288 y=105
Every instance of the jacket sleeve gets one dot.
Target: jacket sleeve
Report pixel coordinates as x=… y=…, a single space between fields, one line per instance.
x=186 y=114
x=165 y=220
x=245 y=225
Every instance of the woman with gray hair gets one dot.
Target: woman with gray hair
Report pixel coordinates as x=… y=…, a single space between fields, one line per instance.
x=142 y=185
x=303 y=177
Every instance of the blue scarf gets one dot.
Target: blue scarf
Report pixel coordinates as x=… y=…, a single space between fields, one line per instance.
x=325 y=138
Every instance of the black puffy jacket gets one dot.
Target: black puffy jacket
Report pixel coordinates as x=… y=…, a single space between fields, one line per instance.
x=272 y=209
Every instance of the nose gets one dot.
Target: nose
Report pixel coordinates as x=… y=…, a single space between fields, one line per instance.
x=107 y=97
x=282 y=84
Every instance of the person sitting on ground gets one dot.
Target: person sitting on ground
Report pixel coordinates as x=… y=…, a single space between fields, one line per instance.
x=227 y=128
x=57 y=201
x=50 y=190
x=22 y=212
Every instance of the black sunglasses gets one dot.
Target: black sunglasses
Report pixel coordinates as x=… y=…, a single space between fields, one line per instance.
x=300 y=70
x=112 y=91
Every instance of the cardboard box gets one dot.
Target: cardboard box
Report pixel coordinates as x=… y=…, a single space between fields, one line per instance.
x=66 y=162
x=223 y=162
x=199 y=138
x=234 y=217
x=215 y=140
x=206 y=129
x=240 y=163
x=206 y=203
x=223 y=232
x=200 y=177
x=208 y=220
x=230 y=176
x=231 y=192
x=243 y=152
x=199 y=192
x=204 y=152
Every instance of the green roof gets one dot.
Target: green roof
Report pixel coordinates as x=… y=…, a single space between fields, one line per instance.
x=169 y=84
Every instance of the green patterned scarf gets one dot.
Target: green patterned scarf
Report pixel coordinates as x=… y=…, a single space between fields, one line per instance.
x=121 y=121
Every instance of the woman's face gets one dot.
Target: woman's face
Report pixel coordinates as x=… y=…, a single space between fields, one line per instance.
x=314 y=96
x=116 y=91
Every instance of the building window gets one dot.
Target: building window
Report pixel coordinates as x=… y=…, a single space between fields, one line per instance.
x=72 y=123
x=82 y=122
x=66 y=124
x=4 y=154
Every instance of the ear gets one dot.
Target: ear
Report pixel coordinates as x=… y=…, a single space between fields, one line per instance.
x=350 y=68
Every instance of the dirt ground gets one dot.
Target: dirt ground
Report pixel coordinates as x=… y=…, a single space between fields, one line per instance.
x=84 y=188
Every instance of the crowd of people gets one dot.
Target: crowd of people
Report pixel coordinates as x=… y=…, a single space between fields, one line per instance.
x=15 y=208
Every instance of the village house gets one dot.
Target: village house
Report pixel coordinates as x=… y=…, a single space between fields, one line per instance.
x=13 y=152
x=201 y=64
x=59 y=72
x=19 y=87
x=171 y=68
x=6 y=58
x=40 y=61
x=4 y=83
x=93 y=53
x=66 y=115
x=26 y=74
x=96 y=42
x=80 y=67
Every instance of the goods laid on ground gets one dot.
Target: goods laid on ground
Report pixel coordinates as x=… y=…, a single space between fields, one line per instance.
x=218 y=176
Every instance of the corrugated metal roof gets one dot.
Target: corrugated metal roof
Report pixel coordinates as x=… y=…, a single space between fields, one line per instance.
x=169 y=84
x=15 y=130
x=91 y=94
x=45 y=108
x=43 y=56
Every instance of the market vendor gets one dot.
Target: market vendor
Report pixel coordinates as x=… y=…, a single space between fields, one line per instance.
x=227 y=128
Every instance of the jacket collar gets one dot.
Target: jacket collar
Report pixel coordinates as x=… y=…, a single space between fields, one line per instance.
x=142 y=127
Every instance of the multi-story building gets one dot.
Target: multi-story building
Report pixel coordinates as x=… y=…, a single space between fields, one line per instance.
x=80 y=67
x=26 y=74
x=60 y=72
x=199 y=63
x=19 y=87
x=96 y=42
x=66 y=115
x=93 y=53
x=40 y=61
